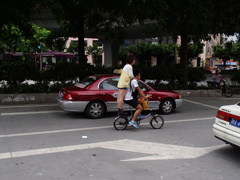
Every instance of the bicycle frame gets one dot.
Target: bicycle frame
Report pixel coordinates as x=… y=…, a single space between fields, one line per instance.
x=151 y=113
x=226 y=90
x=121 y=122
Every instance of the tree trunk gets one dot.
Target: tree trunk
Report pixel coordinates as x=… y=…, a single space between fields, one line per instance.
x=184 y=57
x=35 y=60
x=81 y=49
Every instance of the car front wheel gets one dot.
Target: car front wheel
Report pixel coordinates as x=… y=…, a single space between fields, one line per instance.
x=166 y=106
x=95 y=109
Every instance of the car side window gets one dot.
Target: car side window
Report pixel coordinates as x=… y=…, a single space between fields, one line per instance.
x=142 y=86
x=109 y=84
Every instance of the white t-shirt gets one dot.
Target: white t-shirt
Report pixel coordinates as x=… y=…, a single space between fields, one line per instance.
x=128 y=68
x=217 y=78
x=126 y=75
x=128 y=95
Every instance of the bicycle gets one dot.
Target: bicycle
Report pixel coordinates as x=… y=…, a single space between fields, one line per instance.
x=121 y=122
x=226 y=90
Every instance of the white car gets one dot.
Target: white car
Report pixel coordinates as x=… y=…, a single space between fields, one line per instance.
x=227 y=124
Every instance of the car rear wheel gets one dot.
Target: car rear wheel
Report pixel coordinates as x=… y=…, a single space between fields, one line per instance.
x=166 y=106
x=95 y=109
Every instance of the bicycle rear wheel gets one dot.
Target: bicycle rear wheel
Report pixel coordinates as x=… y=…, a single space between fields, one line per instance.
x=228 y=92
x=157 y=122
x=120 y=123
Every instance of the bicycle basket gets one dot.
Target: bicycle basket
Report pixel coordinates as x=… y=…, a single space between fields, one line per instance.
x=143 y=103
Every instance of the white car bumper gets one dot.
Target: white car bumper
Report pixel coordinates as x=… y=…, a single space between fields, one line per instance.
x=226 y=135
x=179 y=103
x=74 y=106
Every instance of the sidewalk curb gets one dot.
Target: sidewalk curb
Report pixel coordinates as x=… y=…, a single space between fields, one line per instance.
x=36 y=98
x=41 y=98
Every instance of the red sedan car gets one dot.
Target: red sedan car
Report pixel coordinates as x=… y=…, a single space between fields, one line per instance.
x=97 y=94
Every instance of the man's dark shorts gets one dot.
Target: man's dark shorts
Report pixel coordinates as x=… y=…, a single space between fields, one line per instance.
x=133 y=102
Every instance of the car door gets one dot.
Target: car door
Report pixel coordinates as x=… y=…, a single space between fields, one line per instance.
x=153 y=101
x=108 y=92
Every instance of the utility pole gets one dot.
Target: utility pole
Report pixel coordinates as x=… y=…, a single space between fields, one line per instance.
x=40 y=57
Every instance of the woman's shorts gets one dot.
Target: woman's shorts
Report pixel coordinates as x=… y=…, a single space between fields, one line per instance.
x=122 y=88
x=133 y=102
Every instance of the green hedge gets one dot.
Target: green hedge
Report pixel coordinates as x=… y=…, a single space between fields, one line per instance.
x=65 y=74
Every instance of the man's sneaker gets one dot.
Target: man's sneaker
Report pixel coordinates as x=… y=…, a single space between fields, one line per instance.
x=133 y=123
x=140 y=116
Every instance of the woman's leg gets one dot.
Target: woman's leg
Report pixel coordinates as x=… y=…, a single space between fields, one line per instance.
x=121 y=95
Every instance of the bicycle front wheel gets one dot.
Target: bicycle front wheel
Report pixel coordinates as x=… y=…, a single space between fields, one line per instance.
x=120 y=123
x=228 y=92
x=157 y=122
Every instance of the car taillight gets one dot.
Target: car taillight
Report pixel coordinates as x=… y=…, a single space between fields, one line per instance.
x=222 y=115
x=68 y=97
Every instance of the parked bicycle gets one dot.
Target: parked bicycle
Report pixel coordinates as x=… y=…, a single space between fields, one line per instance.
x=226 y=90
x=121 y=122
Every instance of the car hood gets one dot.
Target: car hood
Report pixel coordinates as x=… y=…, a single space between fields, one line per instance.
x=165 y=90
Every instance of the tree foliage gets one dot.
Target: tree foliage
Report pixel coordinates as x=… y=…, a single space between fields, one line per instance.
x=72 y=15
x=227 y=51
x=194 y=50
x=14 y=39
x=95 y=51
x=17 y=13
x=144 y=51
x=55 y=42
x=73 y=47
x=194 y=20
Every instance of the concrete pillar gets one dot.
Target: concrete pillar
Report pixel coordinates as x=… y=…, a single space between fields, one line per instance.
x=110 y=53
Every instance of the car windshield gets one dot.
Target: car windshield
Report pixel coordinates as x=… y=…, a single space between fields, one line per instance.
x=86 y=82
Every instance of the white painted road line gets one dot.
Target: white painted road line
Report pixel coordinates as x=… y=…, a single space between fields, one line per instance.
x=214 y=107
x=55 y=131
x=61 y=111
x=157 y=151
x=33 y=112
x=96 y=128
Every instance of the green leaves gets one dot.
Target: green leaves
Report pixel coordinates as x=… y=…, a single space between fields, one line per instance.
x=15 y=40
x=227 y=51
x=144 y=50
x=95 y=51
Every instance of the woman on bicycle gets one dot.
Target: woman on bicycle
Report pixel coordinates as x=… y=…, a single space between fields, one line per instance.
x=132 y=99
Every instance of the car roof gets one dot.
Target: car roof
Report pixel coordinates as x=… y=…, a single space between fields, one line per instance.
x=105 y=75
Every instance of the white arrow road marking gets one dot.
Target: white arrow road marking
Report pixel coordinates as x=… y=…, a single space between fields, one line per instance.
x=157 y=150
x=166 y=151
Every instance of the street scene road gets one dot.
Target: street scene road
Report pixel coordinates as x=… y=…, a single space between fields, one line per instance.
x=44 y=142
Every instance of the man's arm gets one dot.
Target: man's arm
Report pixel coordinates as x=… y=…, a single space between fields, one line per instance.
x=141 y=93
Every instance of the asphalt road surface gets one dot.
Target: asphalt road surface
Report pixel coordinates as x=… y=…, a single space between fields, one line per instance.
x=42 y=142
